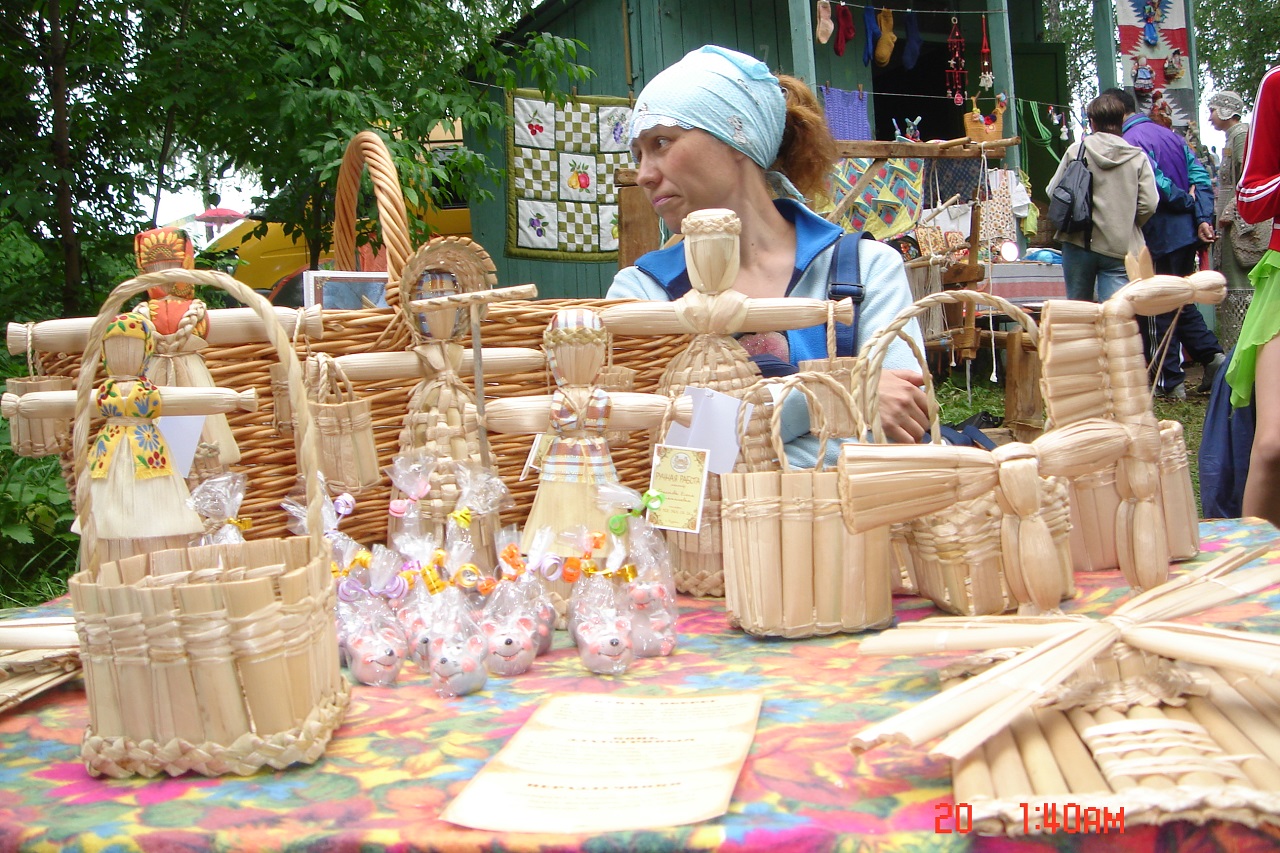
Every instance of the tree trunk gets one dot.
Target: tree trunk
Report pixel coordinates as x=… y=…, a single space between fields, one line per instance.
x=60 y=145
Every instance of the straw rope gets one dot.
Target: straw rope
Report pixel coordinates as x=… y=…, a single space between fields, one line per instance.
x=367 y=149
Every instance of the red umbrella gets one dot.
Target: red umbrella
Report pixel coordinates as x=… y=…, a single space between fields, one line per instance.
x=220 y=216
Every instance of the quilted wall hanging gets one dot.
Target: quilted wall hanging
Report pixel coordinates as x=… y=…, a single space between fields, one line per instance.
x=561 y=200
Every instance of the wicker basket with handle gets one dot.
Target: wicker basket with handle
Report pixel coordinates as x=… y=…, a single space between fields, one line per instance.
x=215 y=659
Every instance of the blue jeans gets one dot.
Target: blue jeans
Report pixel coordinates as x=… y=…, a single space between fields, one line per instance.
x=1190 y=332
x=1083 y=269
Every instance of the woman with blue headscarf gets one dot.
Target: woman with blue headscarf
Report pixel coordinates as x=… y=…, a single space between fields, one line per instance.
x=717 y=129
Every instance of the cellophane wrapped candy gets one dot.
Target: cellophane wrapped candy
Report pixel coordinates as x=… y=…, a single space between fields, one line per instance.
x=217 y=500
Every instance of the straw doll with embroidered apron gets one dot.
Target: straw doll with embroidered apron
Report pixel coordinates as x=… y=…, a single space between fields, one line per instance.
x=137 y=498
x=182 y=326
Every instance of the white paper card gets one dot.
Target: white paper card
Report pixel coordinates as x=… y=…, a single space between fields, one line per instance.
x=713 y=427
x=680 y=758
x=182 y=434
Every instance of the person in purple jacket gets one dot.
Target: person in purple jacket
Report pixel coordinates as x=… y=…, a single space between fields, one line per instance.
x=1182 y=222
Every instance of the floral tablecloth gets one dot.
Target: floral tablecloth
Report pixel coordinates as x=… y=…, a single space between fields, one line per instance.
x=403 y=753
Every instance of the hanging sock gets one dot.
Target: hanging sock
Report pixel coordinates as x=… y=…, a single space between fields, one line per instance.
x=872 y=31
x=911 y=50
x=844 y=28
x=825 y=27
x=884 y=45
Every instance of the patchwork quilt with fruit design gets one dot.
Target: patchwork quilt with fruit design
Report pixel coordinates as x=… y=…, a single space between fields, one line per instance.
x=561 y=201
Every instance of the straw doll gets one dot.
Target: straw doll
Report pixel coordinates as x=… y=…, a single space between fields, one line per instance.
x=135 y=499
x=443 y=285
x=182 y=327
x=577 y=414
x=714 y=313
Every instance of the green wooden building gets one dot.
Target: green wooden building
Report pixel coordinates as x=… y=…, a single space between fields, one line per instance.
x=630 y=41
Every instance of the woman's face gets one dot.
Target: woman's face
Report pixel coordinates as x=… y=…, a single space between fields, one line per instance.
x=684 y=170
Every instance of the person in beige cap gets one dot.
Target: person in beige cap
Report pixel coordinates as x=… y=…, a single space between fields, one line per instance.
x=1236 y=258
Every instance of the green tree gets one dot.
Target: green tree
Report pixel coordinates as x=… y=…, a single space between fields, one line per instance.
x=1238 y=40
x=104 y=100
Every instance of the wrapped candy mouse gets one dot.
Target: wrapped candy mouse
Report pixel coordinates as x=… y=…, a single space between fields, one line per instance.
x=545 y=565
x=417 y=610
x=514 y=569
x=604 y=642
x=650 y=589
x=509 y=624
x=481 y=497
x=376 y=645
x=410 y=473
x=217 y=500
x=458 y=648
x=593 y=587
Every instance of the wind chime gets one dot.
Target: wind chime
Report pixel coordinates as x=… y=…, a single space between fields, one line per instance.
x=986 y=79
x=957 y=77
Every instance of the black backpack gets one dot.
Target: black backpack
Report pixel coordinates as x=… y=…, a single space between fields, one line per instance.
x=1071 y=202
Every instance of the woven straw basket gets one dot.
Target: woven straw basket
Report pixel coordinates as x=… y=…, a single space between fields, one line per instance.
x=955 y=554
x=215 y=659
x=790 y=567
x=975 y=126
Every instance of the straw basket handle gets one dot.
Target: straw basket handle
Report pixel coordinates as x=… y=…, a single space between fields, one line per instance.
x=331 y=382
x=871 y=359
x=367 y=148
x=309 y=458
x=803 y=382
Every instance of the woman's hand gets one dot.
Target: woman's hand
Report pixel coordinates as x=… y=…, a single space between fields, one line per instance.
x=903 y=407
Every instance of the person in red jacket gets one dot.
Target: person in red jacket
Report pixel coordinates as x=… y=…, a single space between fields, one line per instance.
x=1254 y=372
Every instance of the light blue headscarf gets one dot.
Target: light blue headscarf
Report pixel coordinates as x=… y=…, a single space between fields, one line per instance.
x=728 y=94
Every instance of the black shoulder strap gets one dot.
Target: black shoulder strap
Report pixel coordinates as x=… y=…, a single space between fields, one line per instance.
x=845 y=282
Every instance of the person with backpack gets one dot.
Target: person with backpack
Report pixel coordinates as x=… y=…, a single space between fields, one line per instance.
x=718 y=130
x=1182 y=223
x=1100 y=204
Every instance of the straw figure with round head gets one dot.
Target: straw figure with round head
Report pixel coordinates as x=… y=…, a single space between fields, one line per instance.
x=181 y=324
x=718 y=130
x=576 y=415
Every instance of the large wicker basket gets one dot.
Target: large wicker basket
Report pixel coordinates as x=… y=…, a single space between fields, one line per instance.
x=216 y=659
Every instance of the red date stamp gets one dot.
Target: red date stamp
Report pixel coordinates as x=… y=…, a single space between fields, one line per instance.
x=1047 y=817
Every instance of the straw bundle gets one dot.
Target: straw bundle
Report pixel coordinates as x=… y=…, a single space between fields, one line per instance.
x=218 y=659
x=36 y=655
x=790 y=570
x=969 y=714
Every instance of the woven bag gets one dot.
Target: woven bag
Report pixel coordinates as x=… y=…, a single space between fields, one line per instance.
x=976 y=126
x=791 y=569
x=216 y=659
x=344 y=425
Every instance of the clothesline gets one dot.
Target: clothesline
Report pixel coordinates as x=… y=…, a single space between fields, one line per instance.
x=908 y=9
x=945 y=98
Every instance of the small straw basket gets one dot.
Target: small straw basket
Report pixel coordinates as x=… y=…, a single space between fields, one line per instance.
x=218 y=659
x=791 y=569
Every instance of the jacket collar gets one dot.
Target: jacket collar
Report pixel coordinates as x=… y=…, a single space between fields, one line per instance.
x=813 y=235
x=1134 y=120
